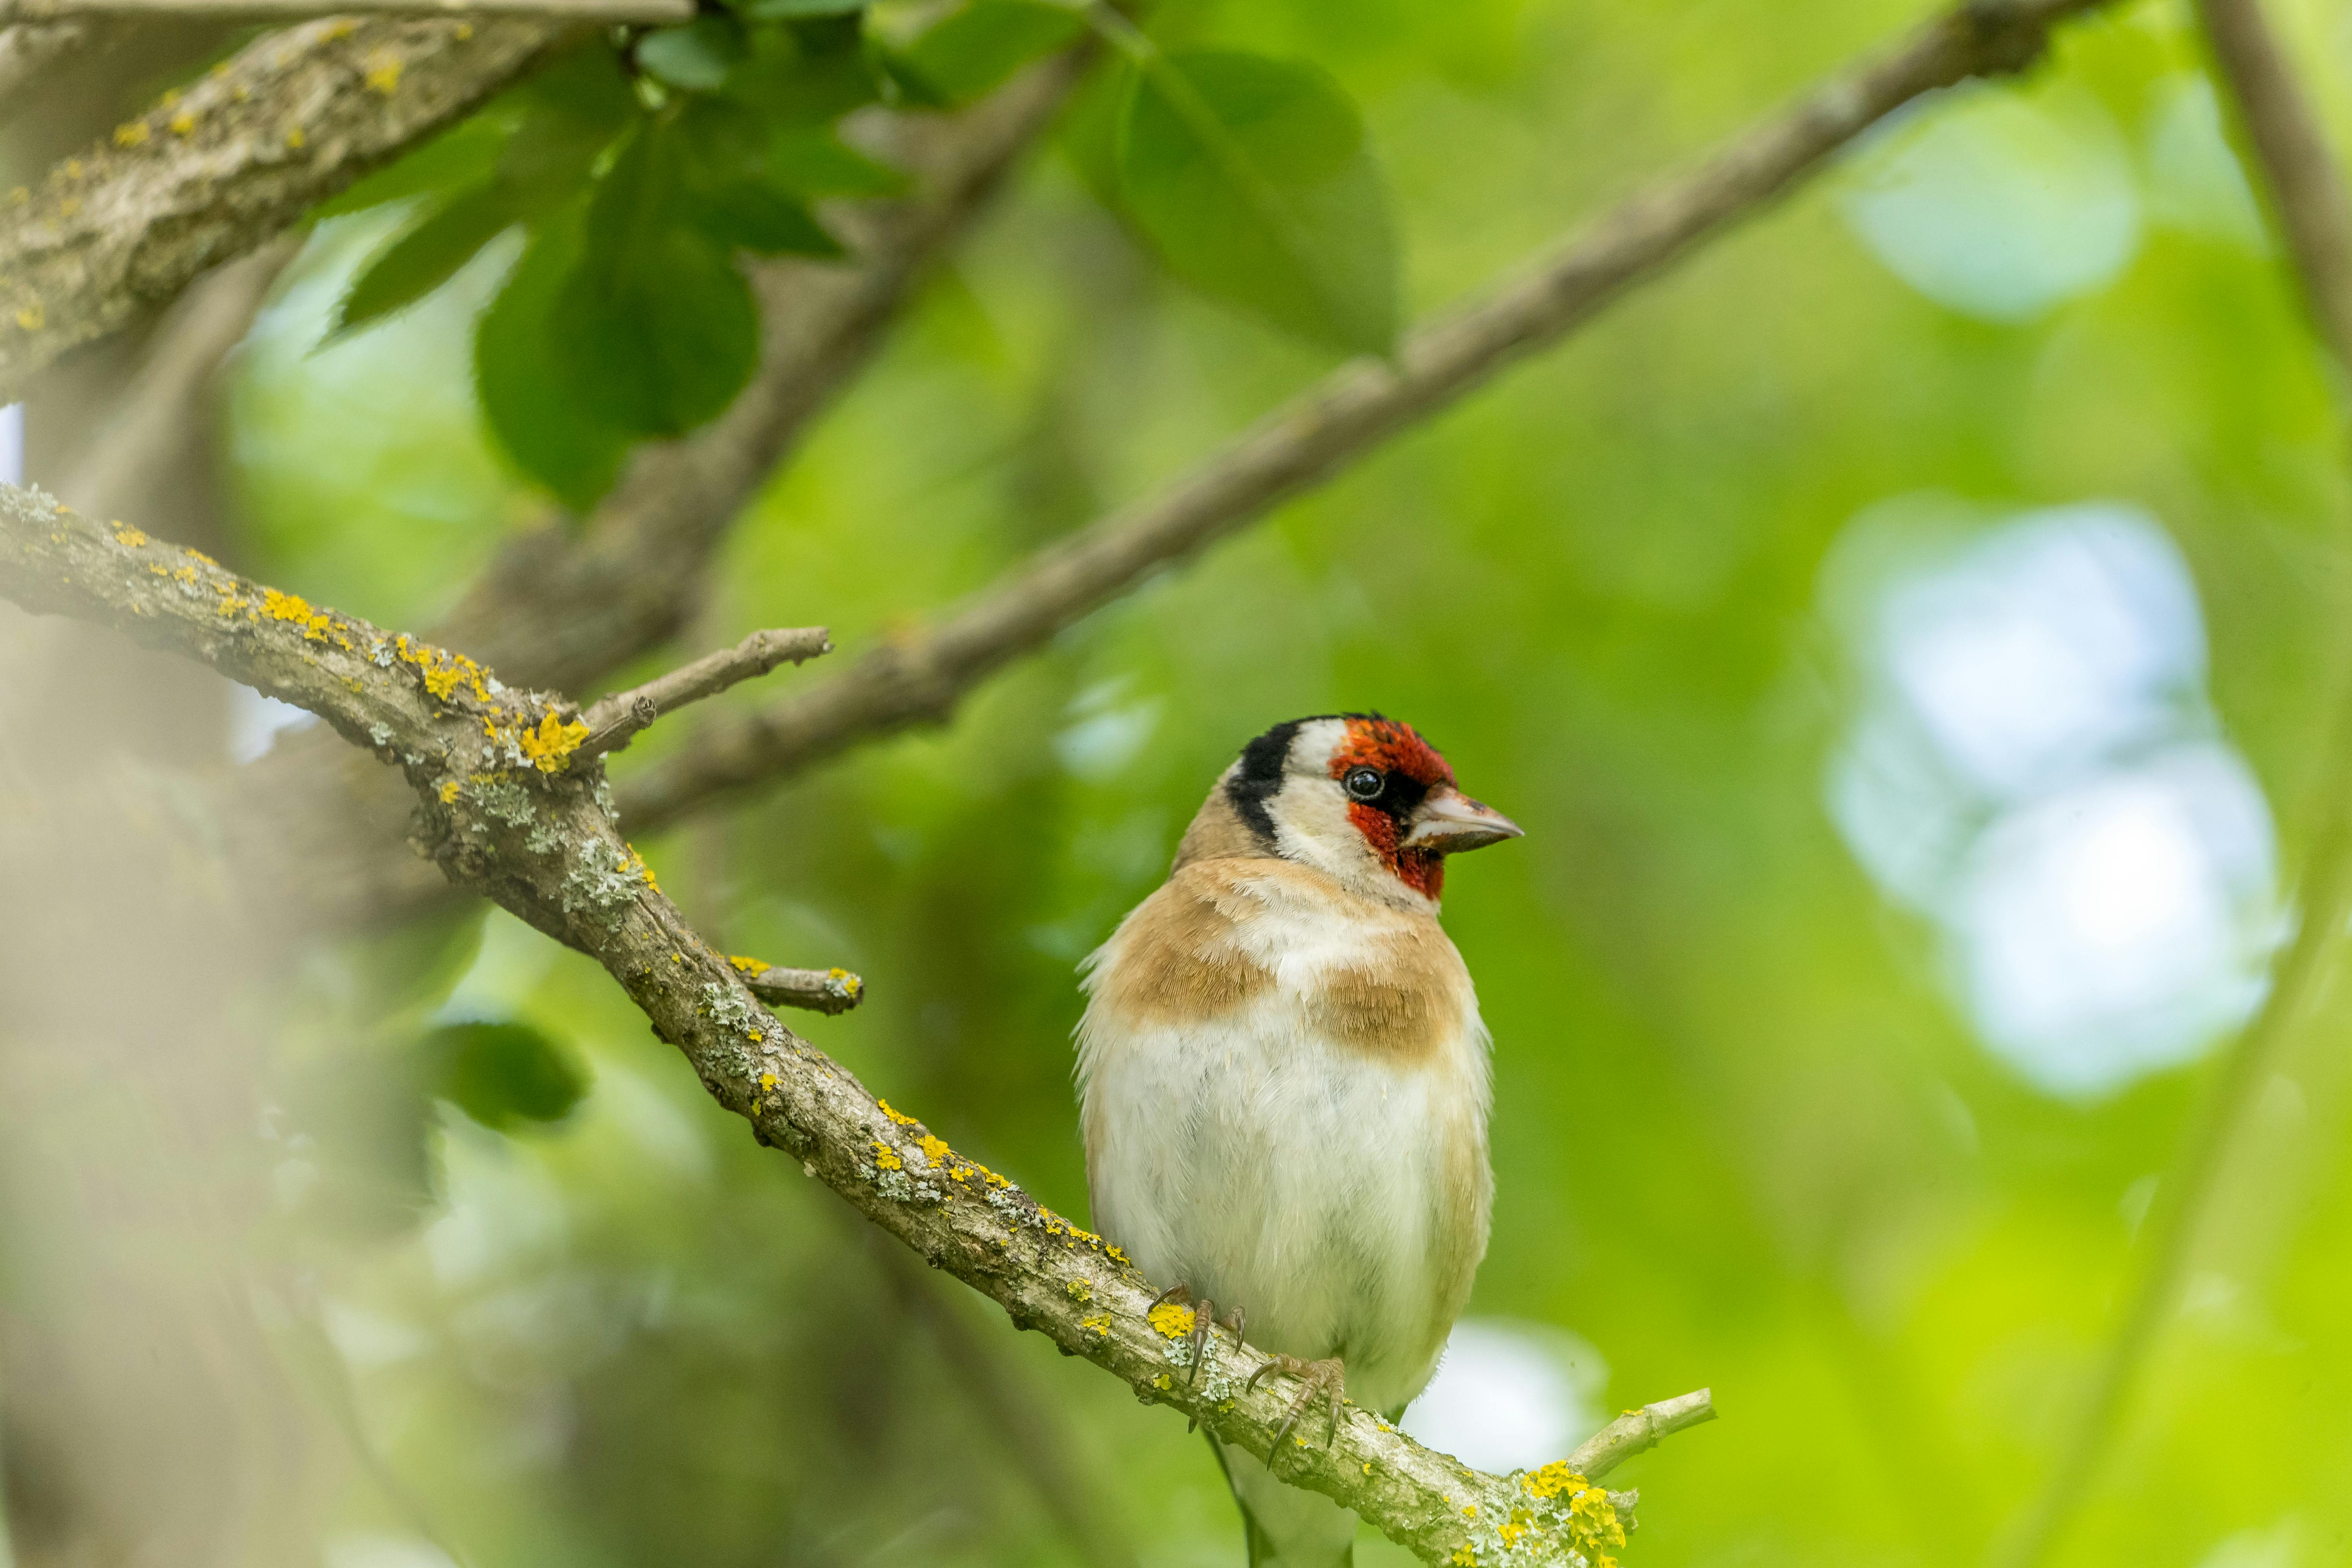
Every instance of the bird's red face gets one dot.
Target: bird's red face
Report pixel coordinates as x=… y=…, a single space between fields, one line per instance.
x=1387 y=770
x=1363 y=797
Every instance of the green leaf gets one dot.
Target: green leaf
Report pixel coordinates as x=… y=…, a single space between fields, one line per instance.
x=548 y=160
x=1252 y=178
x=813 y=162
x=808 y=72
x=656 y=331
x=526 y=396
x=462 y=155
x=588 y=85
x=974 y=48
x=745 y=213
x=729 y=191
x=697 y=56
x=413 y=965
x=503 y=1075
x=423 y=258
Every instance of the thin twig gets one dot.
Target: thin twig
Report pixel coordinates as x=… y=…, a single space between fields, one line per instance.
x=617 y=719
x=1349 y=415
x=810 y=990
x=1639 y=1431
x=542 y=843
x=2306 y=196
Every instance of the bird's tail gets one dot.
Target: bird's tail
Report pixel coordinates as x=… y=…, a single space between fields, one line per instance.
x=1285 y=1527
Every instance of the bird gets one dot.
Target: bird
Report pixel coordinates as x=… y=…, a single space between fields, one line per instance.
x=1283 y=1085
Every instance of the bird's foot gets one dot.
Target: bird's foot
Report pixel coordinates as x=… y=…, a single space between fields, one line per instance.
x=1326 y=1379
x=1204 y=1317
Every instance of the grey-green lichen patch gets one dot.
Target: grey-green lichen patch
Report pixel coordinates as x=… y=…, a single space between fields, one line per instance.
x=603 y=881
x=727 y=1007
x=502 y=800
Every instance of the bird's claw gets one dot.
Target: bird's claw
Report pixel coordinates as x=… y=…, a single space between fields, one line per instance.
x=1326 y=1378
x=1204 y=1318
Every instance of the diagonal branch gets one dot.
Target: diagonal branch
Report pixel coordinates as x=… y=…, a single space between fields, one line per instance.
x=1346 y=416
x=290 y=119
x=535 y=834
x=2308 y=198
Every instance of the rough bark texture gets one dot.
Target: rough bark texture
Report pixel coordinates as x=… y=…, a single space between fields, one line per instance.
x=289 y=120
x=922 y=678
x=502 y=810
x=647 y=11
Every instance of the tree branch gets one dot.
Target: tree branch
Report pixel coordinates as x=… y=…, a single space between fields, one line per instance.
x=282 y=11
x=503 y=810
x=1346 y=416
x=2306 y=196
x=290 y=119
x=617 y=719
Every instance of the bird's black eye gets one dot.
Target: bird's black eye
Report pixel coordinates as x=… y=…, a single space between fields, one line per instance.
x=1363 y=783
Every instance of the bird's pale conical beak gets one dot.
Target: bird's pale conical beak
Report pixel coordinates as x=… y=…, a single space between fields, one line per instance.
x=1449 y=822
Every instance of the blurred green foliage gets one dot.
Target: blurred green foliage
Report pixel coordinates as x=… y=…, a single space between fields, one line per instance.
x=1744 y=1135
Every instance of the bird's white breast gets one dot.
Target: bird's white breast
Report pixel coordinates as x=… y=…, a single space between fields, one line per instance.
x=1285 y=1093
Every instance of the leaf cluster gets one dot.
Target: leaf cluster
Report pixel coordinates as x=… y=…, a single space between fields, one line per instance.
x=640 y=170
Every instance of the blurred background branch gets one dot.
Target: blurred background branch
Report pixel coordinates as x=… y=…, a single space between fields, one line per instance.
x=2304 y=189
x=921 y=676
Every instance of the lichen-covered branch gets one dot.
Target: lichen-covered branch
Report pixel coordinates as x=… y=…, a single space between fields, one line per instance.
x=606 y=11
x=2305 y=187
x=922 y=678
x=502 y=807
x=212 y=171
x=615 y=720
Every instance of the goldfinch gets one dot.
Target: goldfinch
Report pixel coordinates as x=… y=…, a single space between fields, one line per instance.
x=1284 y=1087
